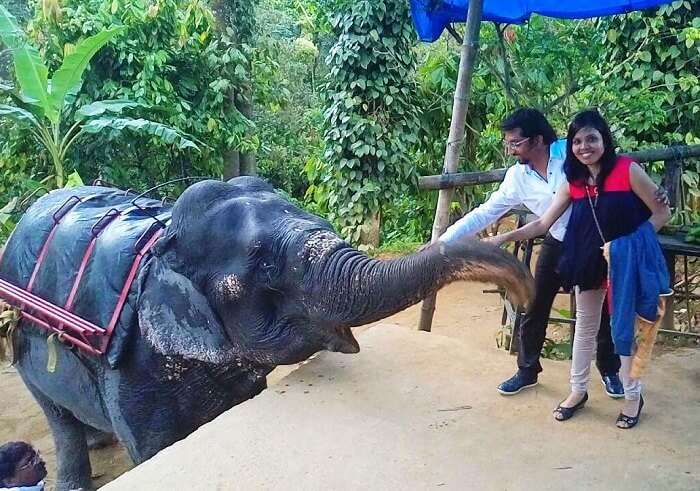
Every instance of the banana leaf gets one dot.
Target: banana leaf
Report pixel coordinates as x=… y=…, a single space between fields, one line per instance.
x=30 y=70
x=21 y=100
x=71 y=71
x=114 y=126
x=18 y=114
x=98 y=108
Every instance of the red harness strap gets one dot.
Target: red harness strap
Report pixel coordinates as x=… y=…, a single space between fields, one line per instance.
x=60 y=213
x=127 y=286
x=95 y=232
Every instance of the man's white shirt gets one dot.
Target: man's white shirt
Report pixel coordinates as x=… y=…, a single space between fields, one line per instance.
x=522 y=186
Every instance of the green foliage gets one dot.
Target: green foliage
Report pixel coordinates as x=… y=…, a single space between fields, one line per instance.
x=288 y=105
x=408 y=219
x=20 y=10
x=44 y=105
x=371 y=118
x=542 y=64
x=653 y=62
x=437 y=79
x=557 y=350
x=172 y=61
x=397 y=247
x=693 y=234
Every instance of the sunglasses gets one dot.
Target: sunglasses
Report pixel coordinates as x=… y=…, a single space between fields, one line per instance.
x=34 y=461
x=514 y=145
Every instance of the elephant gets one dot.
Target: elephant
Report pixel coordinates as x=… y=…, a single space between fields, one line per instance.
x=240 y=281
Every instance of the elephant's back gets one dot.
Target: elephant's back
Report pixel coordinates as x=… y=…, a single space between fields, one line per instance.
x=85 y=240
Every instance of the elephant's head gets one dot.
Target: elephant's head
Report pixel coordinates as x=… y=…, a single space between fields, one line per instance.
x=241 y=273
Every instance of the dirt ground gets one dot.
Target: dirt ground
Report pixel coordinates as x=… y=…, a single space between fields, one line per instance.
x=463 y=312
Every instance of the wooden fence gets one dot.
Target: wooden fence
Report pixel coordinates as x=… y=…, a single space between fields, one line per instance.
x=673 y=158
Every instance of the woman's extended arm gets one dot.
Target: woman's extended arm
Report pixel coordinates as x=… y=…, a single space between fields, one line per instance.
x=538 y=227
x=644 y=187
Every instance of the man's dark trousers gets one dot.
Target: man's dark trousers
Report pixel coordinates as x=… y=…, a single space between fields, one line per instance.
x=534 y=324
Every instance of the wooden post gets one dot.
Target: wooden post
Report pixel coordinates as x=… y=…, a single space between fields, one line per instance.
x=672 y=180
x=672 y=183
x=460 y=106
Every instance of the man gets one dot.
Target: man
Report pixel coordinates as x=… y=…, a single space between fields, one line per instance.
x=21 y=468
x=528 y=136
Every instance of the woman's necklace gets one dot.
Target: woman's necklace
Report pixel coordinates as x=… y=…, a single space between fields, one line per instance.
x=593 y=208
x=594 y=187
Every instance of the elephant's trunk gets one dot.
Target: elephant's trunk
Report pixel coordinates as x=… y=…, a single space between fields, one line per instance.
x=351 y=289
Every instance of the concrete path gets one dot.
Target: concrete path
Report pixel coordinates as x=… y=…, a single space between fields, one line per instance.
x=419 y=411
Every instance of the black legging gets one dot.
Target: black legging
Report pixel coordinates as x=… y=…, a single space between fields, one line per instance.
x=534 y=324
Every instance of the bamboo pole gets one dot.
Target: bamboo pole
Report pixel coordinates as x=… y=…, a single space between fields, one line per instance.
x=455 y=139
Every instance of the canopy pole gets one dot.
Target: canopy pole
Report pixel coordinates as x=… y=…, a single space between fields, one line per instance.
x=455 y=139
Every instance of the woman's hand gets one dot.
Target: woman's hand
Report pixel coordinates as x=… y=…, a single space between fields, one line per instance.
x=662 y=196
x=644 y=187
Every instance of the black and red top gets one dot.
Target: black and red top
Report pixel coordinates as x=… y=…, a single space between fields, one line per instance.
x=619 y=211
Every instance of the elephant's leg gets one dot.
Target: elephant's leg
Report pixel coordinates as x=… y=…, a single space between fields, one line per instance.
x=72 y=457
x=98 y=438
x=141 y=442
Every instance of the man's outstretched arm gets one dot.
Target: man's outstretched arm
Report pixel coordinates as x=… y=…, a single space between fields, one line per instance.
x=505 y=198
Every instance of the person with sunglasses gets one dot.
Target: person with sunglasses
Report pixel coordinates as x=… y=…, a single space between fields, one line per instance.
x=610 y=246
x=21 y=468
x=533 y=182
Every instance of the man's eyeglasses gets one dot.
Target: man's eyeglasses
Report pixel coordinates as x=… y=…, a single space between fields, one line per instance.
x=35 y=460
x=514 y=145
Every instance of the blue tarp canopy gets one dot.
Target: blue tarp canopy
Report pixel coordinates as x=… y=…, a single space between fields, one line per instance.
x=432 y=16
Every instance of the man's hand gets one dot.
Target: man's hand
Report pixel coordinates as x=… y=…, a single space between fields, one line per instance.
x=496 y=240
x=662 y=196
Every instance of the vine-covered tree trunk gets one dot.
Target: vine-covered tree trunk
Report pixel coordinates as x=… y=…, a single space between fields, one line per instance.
x=236 y=19
x=370 y=118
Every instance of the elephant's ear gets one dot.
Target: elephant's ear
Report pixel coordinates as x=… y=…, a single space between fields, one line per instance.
x=176 y=318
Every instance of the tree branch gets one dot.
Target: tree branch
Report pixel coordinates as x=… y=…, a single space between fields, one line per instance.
x=507 y=82
x=453 y=32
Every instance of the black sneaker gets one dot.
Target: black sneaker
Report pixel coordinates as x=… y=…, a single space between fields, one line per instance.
x=613 y=386
x=516 y=383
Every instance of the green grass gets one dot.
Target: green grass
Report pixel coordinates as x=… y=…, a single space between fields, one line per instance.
x=395 y=248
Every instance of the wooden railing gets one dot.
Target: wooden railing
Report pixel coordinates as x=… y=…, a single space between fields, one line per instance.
x=460 y=179
x=672 y=157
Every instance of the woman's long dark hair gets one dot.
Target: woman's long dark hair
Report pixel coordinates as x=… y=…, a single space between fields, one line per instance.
x=576 y=172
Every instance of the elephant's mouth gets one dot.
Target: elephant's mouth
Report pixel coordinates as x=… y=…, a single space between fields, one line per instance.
x=342 y=340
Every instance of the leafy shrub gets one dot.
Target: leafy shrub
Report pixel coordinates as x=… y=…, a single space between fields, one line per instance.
x=170 y=58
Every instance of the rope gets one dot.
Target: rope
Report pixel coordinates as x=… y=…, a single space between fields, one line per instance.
x=9 y=319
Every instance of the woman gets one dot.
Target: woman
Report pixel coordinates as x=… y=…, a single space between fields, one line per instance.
x=21 y=468
x=611 y=197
